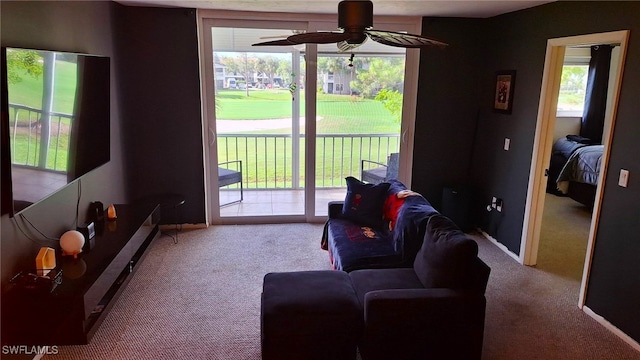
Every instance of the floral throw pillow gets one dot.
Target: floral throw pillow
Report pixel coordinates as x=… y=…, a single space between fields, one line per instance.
x=363 y=203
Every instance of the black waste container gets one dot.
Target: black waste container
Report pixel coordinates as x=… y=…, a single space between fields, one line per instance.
x=456 y=205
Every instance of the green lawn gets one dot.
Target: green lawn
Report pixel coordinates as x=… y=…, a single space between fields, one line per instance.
x=337 y=157
x=29 y=91
x=341 y=114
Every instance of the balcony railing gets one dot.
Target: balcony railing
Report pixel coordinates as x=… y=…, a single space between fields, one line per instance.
x=269 y=161
x=37 y=141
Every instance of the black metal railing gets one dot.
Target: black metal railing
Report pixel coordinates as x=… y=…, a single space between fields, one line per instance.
x=271 y=163
x=39 y=139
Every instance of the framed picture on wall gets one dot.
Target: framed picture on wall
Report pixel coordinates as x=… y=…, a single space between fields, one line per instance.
x=503 y=98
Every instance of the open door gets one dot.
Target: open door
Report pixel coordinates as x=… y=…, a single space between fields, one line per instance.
x=544 y=138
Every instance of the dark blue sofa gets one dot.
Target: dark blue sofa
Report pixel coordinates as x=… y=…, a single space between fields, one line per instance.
x=358 y=243
x=434 y=309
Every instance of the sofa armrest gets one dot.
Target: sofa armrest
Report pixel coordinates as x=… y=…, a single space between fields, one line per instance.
x=423 y=323
x=335 y=209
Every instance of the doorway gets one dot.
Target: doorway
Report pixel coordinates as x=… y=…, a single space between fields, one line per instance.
x=543 y=142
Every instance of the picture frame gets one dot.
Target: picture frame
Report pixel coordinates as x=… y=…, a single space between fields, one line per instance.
x=503 y=96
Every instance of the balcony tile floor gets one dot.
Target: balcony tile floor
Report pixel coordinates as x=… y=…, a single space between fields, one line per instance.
x=275 y=202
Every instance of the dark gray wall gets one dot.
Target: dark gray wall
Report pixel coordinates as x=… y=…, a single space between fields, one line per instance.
x=158 y=49
x=84 y=27
x=447 y=106
x=518 y=41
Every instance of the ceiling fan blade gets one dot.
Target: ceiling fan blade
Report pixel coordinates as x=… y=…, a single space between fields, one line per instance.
x=318 y=38
x=275 y=37
x=283 y=36
x=283 y=42
x=344 y=46
x=397 y=39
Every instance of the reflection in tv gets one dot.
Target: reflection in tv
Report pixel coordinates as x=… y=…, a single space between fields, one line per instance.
x=58 y=112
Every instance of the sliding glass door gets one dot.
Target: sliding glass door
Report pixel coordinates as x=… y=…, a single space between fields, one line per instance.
x=359 y=112
x=257 y=124
x=284 y=125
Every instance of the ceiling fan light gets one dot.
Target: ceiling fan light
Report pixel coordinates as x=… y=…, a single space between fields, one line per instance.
x=356 y=38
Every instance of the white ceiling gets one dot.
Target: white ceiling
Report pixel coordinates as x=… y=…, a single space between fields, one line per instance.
x=453 y=8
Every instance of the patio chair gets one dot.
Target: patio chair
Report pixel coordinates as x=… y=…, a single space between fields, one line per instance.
x=229 y=177
x=382 y=172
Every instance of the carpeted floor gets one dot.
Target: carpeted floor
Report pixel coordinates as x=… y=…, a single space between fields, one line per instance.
x=200 y=299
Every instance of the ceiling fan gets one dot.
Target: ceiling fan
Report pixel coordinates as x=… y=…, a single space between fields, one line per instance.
x=355 y=22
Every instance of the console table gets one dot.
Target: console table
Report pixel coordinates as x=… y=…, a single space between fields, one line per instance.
x=71 y=314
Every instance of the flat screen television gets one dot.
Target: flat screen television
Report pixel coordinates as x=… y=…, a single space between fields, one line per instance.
x=55 y=122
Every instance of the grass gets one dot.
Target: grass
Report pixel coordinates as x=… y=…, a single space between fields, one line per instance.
x=29 y=91
x=341 y=114
x=27 y=151
x=267 y=162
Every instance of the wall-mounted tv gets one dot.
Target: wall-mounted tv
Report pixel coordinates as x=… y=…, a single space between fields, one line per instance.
x=55 y=122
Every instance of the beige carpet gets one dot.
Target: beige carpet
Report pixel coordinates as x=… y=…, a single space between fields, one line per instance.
x=563 y=237
x=200 y=298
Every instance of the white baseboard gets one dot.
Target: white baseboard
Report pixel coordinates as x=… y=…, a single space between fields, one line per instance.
x=609 y=326
x=499 y=245
x=602 y=321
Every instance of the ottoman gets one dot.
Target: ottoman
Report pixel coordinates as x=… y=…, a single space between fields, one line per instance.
x=309 y=315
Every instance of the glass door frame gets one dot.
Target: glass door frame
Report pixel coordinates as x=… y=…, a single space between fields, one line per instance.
x=313 y=22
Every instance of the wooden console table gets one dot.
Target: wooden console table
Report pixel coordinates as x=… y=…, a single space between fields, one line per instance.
x=72 y=313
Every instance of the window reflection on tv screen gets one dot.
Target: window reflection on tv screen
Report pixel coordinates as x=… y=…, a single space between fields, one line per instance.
x=58 y=113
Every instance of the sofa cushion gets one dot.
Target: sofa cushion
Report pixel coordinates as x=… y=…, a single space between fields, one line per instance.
x=364 y=202
x=352 y=246
x=368 y=280
x=446 y=257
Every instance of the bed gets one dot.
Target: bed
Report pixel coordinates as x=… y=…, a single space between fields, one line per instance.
x=575 y=168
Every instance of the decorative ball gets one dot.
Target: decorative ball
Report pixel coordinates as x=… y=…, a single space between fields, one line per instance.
x=71 y=243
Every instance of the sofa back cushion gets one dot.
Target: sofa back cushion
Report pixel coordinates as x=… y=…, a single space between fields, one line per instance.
x=363 y=203
x=447 y=256
x=408 y=231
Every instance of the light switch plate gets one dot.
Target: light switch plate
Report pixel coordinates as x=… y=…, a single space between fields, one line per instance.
x=507 y=143
x=624 y=178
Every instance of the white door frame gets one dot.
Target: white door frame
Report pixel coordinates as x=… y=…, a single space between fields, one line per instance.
x=543 y=143
x=207 y=18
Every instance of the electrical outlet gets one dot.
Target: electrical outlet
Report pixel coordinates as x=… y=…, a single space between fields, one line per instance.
x=493 y=202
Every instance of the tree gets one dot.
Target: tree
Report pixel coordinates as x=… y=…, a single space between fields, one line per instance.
x=243 y=65
x=392 y=101
x=269 y=67
x=574 y=77
x=23 y=61
x=379 y=73
x=284 y=69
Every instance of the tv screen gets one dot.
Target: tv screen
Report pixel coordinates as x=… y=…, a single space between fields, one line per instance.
x=56 y=121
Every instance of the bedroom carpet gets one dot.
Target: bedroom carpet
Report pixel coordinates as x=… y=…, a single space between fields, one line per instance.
x=200 y=299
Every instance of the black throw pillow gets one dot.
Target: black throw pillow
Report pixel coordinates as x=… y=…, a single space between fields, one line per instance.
x=364 y=203
x=446 y=257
